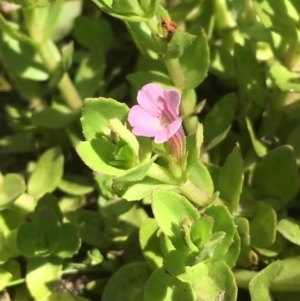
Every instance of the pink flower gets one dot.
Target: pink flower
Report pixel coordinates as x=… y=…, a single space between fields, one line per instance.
x=156 y=114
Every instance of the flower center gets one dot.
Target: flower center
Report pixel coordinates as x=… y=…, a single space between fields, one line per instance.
x=164 y=122
x=165 y=118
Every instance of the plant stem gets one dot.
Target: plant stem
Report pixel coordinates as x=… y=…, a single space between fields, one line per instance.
x=173 y=65
x=194 y=194
x=175 y=72
x=243 y=277
x=292 y=56
x=16 y=282
x=62 y=273
x=51 y=57
x=161 y=174
x=188 y=189
x=187 y=107
x=225 y=25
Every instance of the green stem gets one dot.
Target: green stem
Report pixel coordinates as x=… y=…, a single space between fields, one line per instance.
x=292 y=56
x=51 y=57
x=188 y=189
x=62 y=273
x=187 y=107
x=16 y=282
x=175 y=72
x=161 y=174
x=194 y=194
x=173 y=65
x=243 y=277
x=225 y=24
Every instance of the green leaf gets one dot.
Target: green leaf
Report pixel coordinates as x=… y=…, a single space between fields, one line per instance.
x=100 y=33
x=11 y=30
x=179 y=42
x=219 y=119
x=12 y=186
x=43 y=234
x=14 y=267
x=47 y=173
x=49 y=201
x=102 y=110
x=67 y=56
x=200 y=177
x=104 y=183
x=249 y=76
x=219 y=284
x=277 y=174
x=139 y=190
x=285 y=79
x=143 y=39
x=48 y=230
x=71 y=10
x=287 y=296
x=231 y=178
x=42 y=276
x=221 y=62
x=141 y=78
x=53 y=118
x=18 y=143
x=211 y=248
x=89 y=75
x=294 y=142
x=125 y=135
x=166 y=244
x=201 y=230
x=193 y=65
x=126 y=6
x=125 y=10
x=194 y=143
x=150 y=243
x=116 y=207
x=54 y=11
x=71 y=203
x=289 y=276
x=26 y=239
x=150 y=6
x=259 y=285
x=136 y=174
x=163 y=287
x=170 y=210
x=5 y=278
x=69 y=243
x=175 y=265
x=189 y=109
x=65 y=296
x=223 y=222
x=277 y=247
x=137 y=273
x=263 y=226
x=245 y=257
x=279 y=16
x=259 y=148
x=9 y=246
x=290 y=229
x=90 y=226
x=75 y=184
x=96 y=155
x=234 y=250
x=21 y=58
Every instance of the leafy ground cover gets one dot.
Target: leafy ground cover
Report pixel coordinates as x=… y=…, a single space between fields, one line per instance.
x=149 y=150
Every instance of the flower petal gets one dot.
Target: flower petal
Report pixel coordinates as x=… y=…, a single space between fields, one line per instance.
x=172 y=101
x=151 y=99
x=168 y=132
x=143 y=123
